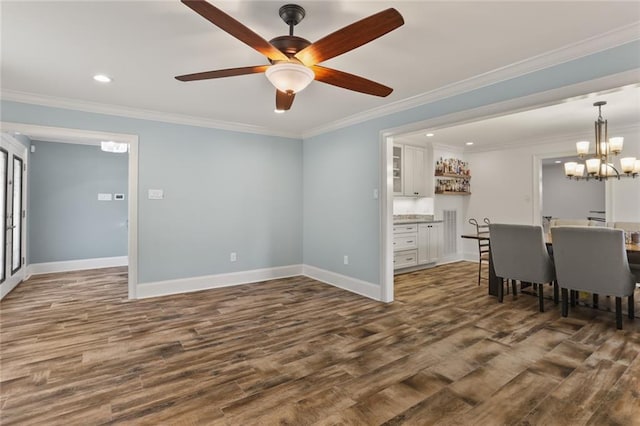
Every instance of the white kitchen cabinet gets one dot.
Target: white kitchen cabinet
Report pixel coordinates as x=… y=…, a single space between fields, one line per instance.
x=430 y=236
x=405 y=259
x=416 y=244
x=415 y=180
x=409 y=171
x=405 y=245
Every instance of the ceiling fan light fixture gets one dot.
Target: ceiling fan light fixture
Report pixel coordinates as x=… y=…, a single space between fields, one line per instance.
x=289 y=77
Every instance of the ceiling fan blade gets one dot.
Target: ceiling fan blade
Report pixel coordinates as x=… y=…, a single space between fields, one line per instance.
x=284 y=100
x=230 y=72
x=350 y=37
x=350 y=81
x=235 y=28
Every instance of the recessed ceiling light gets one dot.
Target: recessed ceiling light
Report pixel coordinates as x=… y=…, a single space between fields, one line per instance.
x=17 y=133
x=429 y=135
x=278 y=111
x=469 y=143
x=111 y=146
x=558 y=161
x=102 y=78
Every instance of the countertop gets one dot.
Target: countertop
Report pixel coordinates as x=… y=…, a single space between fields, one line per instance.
x=407 y=221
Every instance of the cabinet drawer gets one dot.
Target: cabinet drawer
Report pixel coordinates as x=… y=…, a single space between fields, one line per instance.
x=405 y=241
x=398 y=229
x=404 y=259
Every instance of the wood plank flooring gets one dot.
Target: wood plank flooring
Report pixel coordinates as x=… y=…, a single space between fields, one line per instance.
x=295 y=351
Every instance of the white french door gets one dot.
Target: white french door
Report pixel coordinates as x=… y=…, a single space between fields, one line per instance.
x=12 y=213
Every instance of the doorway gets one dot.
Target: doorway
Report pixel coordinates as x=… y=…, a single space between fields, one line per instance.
x=87 y=137
x=559 y=96
x=13 y=157
x=588 y=198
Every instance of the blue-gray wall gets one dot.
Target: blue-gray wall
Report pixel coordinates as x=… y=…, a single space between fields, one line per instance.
x=227 y=191
x=224 y=192
x=66 y=221
x=340 y=215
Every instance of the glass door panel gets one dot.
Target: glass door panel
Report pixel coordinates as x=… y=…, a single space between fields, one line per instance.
x=16 y=222
x=4 y=159
x=12 y=212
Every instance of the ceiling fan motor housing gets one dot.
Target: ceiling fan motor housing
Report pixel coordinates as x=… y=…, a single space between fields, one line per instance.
x=289 y=44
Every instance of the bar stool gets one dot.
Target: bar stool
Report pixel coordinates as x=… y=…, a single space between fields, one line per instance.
x=482 y=230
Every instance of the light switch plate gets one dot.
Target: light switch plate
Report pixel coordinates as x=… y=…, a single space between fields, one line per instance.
x=104 y=197
x=156 y=194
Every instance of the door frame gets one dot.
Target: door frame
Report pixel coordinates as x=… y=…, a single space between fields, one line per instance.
x=80 y=136
x=9 y=272
x=524 y=103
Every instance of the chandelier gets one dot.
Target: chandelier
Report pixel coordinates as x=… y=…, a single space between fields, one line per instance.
x=599 y=166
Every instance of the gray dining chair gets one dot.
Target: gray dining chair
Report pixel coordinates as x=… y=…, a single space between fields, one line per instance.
x=519 y=252
x=593 y=260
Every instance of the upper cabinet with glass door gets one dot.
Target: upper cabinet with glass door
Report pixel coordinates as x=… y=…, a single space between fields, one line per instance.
x=409 y=177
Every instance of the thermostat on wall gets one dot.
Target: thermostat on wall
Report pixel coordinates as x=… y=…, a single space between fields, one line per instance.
x=118 y=197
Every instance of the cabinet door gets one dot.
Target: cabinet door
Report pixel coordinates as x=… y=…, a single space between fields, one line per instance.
x=429 y=242
x=435 y=242
x=423 y=244
x=415 y=184
x=398 y=170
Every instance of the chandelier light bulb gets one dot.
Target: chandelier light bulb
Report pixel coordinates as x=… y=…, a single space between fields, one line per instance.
x=615 y=144
x=627 y=164
x=593 y=166
x=604 y=148
x=579 y=170
x=582 y=147
x=570 y=168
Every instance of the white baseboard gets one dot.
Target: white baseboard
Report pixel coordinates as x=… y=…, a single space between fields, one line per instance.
x=207 y=282
x=470 y=257
x=354 y=285
x=76 y=265
x=457 y=257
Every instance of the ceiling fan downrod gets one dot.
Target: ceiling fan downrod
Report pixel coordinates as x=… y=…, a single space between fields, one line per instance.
x=292 y=14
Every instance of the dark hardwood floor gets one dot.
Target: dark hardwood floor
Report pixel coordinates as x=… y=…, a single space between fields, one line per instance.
x=295 y=351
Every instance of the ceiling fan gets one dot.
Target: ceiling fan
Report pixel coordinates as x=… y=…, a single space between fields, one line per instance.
x=294 y=60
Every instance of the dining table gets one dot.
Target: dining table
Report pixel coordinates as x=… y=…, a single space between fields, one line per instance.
x=494 y=280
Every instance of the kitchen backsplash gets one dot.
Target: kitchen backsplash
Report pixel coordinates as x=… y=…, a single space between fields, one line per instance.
x=412 y=206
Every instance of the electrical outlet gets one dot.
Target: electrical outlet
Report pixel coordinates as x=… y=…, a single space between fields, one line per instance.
x=233 y=257
x=346 y=260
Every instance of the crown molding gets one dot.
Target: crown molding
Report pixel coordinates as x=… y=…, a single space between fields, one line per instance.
x=122 y=111
x=558 y=56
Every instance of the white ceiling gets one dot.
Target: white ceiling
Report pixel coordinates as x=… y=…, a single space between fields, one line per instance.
x=53 y=48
